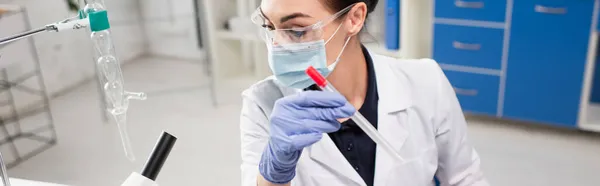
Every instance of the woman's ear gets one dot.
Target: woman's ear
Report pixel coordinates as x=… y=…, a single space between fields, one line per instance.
x=356 y=18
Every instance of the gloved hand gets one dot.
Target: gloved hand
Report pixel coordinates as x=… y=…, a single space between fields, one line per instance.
x=299 y=121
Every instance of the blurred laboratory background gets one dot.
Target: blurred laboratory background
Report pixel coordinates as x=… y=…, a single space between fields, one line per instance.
x=525 y=72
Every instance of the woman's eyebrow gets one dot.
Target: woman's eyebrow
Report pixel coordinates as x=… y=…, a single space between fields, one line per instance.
x=292 y=16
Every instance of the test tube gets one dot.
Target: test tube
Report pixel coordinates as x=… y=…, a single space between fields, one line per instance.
x=358 y=118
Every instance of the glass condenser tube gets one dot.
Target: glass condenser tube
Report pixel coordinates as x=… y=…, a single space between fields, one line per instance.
x=109 y=71
x=358 y=118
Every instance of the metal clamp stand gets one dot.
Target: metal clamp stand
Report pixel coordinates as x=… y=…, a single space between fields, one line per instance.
x=16 y=84
x=4 y=173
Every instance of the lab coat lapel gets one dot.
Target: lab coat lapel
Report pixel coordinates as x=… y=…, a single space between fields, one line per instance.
x=327 y=155
x=394 y=99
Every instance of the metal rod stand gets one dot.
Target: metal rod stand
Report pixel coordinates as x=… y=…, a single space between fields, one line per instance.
x=44 y=133
x=19 y=36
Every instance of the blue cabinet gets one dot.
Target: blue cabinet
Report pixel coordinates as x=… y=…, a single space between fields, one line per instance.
x=595 y=97
x=468 y=46
x=471 y=51
x=476 y=93
x=596 y=85
x=547 y=57
x=392 y=24
x=480 y=10
x=517 y=59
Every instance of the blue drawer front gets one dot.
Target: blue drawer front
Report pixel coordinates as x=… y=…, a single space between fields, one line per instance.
x=477 y=93
x=548 y=51
x=468 y=46
x=480 y=10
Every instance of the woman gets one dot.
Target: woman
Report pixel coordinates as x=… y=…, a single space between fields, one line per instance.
x=293 y=136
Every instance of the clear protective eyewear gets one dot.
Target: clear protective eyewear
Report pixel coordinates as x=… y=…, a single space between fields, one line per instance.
x=294 y=35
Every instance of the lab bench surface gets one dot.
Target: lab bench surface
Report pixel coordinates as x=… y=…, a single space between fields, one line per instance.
x=23 y=182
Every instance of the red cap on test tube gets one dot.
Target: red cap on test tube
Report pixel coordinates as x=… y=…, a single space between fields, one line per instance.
x=316 y=76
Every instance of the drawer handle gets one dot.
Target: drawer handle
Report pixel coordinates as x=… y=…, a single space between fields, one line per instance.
x=466 y=4
x=550 y=10
x=465 y=46
x=466 y=92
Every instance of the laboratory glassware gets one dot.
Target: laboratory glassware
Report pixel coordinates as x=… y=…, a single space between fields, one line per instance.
x=109 y=71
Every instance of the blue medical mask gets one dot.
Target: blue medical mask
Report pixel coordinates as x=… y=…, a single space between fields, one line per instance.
x=289 y=61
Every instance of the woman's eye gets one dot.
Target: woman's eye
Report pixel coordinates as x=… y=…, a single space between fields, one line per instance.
x=268 y=27
x=296 y=33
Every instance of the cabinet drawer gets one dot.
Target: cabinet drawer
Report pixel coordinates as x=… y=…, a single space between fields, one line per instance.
x=548 y=52
x=468 y=46
x=479 y=10
x=476 y=93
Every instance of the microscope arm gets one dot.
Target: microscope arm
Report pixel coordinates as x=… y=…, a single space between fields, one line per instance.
x=154 y=164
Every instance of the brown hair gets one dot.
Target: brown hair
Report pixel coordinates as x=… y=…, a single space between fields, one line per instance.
x=337 y=5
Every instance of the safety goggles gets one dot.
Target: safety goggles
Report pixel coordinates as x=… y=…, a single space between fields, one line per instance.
x=294 y=35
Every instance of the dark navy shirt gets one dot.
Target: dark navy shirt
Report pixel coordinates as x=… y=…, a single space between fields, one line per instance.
x=354 y=144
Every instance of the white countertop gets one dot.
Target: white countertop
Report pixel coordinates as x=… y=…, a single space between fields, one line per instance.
x=22 y=182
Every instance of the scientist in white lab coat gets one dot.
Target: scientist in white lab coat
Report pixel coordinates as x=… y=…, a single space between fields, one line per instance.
x=291 y=135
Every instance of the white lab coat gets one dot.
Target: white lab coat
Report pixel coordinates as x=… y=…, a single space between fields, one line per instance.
x=419 y=115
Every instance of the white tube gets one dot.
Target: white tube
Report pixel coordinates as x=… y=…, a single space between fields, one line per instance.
x=358 y=118
x=371 y=131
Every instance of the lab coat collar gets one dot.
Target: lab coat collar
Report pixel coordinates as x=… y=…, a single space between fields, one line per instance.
x=286 y=91
x=394 y=98
x=327 y=154
x=394 y=94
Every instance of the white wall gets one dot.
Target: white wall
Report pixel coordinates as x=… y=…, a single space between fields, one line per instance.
x=66 y=57
x=171 y=28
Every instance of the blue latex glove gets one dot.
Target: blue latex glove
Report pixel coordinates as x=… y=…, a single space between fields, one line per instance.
x=299 y=121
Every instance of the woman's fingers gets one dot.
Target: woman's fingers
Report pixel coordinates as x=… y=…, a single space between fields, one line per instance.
x=304 y=140
x=321 y=126
x=317 y=99
x=329 y=114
